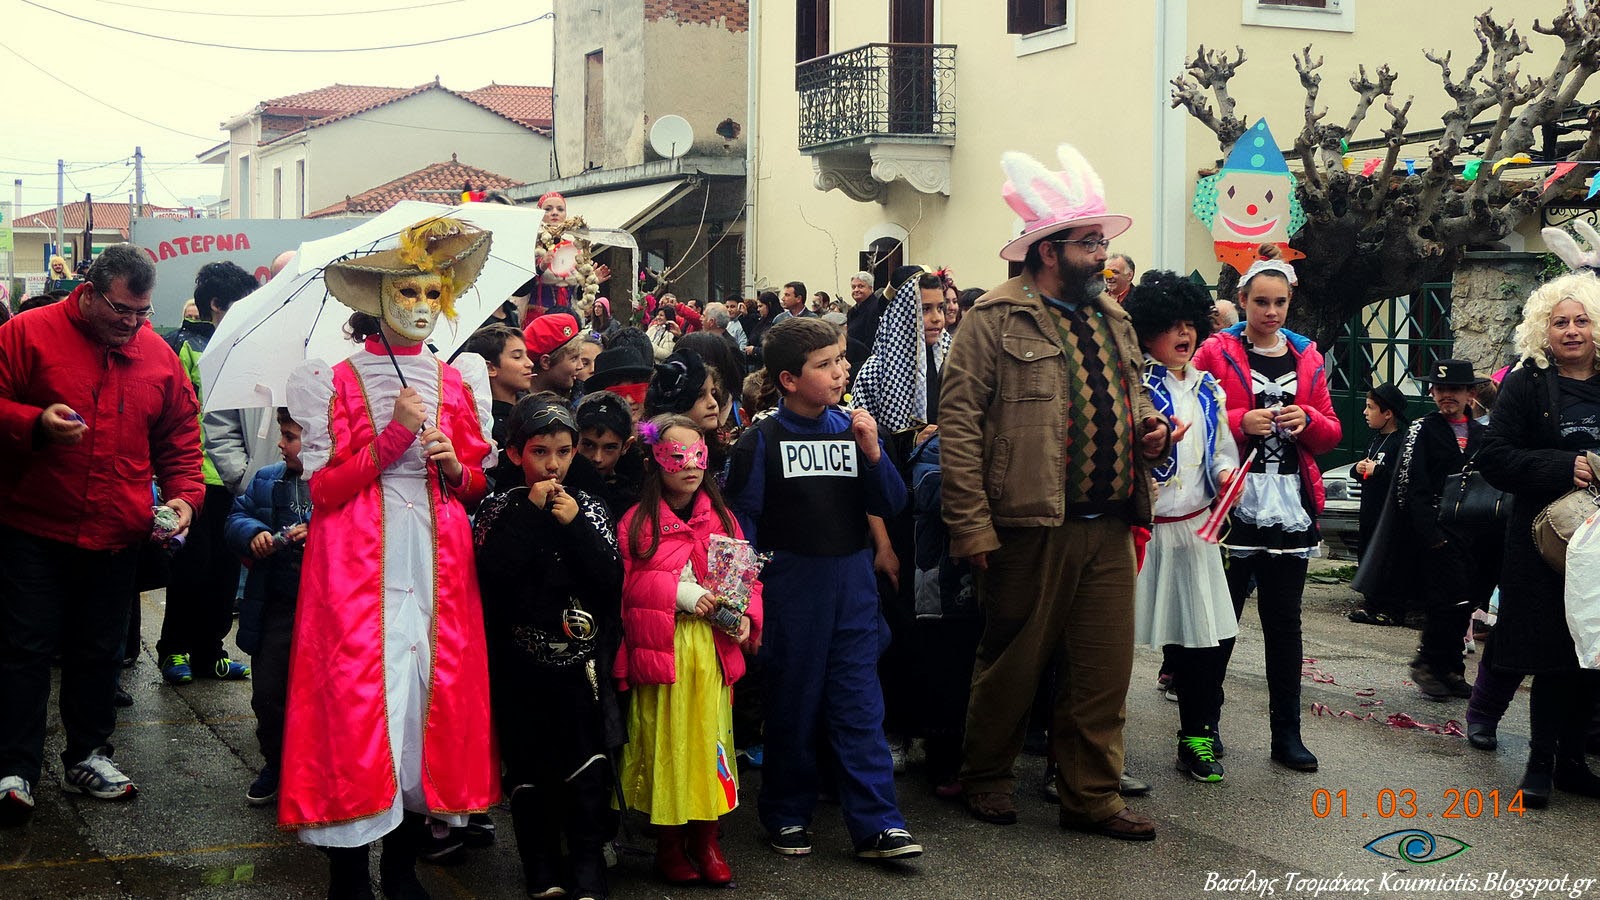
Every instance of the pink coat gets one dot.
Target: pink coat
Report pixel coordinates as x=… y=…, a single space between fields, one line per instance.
x=650 y=597
x=1224 y=356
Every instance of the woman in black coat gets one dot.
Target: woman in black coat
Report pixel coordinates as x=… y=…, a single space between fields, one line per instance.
x=1547 y=415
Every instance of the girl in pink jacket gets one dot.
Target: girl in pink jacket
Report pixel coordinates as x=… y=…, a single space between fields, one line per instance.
x=1278 y=406
x=678 y=764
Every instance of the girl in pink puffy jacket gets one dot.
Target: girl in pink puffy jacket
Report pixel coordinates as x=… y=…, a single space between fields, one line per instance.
x=678 y=766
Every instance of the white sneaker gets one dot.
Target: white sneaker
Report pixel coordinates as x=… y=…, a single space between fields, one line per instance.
x=98 y=777
x=16 y=799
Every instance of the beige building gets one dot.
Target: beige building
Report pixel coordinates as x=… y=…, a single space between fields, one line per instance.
x=651 y=121
x=839 y=170
x=296 y=154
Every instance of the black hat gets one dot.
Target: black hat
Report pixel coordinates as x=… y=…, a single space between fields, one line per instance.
x=1389 y=398
x=677 y=383
x=1456 y=372
x=618 y=365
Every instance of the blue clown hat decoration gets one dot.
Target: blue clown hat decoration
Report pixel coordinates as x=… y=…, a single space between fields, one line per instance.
x=1256 y=151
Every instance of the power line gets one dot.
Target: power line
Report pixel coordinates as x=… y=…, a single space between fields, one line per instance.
x=306 y=15
x=109 y=106
x=162 y=37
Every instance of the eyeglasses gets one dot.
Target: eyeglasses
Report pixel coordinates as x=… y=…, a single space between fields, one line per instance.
x=1089 y=244
x=125 y=311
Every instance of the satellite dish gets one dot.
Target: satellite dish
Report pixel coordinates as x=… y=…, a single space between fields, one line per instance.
x=671 y=136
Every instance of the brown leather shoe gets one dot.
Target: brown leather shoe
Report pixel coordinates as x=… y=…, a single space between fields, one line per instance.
x=993 y=807
x=1124 y=825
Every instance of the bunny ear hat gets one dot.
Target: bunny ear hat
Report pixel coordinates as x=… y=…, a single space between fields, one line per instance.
x=1565 y=246
x=1050 y=202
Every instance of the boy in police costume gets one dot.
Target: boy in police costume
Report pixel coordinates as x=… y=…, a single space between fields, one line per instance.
x=803 y=482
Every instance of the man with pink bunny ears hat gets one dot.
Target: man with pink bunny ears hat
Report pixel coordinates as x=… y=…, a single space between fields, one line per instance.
x=1048 y=440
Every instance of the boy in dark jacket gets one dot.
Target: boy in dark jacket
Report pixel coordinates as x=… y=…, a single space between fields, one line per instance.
x=268 y=524
x=551 y=580
x=803 y=483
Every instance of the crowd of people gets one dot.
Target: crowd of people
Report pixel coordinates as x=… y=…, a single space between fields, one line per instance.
x=706 y=537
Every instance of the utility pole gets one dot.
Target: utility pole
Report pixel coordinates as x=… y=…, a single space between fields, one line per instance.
x=61 y=202
x=11 y=258
x=138 y=182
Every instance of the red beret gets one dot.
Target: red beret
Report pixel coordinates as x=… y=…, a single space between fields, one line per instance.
x=549 y=333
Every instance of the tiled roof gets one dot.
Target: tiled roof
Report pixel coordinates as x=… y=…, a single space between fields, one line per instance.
x=327 y=101
x=529 y=104
x=107 y=216
x=495 y=103
x=438 y=183
x=733 y=15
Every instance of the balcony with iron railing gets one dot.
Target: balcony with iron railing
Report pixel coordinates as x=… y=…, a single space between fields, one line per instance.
x=879 y=112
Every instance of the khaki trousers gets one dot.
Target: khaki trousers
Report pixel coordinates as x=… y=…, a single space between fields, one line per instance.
x=1059 y=594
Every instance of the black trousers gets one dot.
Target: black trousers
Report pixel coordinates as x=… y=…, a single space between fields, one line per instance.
x=269 y=675
x=1280 y=585
x=578 y=809
x=1560 y=709
x=55 y=597
x=950 y=647
x=202 y=587
x=1198 y=673
x=1460 y=577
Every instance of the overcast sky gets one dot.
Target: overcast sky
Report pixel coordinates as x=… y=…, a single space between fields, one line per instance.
x=186 y=90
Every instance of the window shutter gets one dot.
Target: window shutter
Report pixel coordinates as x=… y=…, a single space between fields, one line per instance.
x=1024 y=16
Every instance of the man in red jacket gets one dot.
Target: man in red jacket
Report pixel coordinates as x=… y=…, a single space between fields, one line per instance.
x=93 y=407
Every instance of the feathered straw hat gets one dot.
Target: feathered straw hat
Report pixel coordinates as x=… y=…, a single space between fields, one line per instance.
x=1049 y=202
x=450 y=248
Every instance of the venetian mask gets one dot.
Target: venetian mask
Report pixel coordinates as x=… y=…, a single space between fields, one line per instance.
x=675 y=456
x=412 y=303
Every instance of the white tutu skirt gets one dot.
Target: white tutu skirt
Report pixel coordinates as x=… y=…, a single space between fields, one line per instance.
x=1272 y=501
x=1182 y=595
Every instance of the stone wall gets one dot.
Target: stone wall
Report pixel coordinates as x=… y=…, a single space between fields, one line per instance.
x=1487 y=293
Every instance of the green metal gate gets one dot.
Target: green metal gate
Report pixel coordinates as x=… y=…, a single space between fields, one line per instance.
x=1386 y=341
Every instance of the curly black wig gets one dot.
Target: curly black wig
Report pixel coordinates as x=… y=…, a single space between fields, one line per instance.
x=1162 y=299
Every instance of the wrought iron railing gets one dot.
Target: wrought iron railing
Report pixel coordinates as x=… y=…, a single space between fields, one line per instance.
x=878 y=90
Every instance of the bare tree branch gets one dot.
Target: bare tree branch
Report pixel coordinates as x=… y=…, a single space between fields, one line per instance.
x=1211 y=70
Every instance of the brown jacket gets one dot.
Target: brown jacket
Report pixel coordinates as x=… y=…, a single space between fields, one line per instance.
x=1003 y=417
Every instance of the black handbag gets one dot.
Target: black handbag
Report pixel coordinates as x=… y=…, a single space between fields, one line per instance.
x=1468 y=500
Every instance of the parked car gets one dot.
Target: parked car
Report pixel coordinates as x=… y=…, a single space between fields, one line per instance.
x=1341 y=514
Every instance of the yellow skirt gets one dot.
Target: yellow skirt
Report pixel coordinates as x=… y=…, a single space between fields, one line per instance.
x=678 y=763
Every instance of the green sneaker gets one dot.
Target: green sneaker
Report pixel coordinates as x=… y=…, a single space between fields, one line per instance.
x=175 y=668
x=1196 y=757
x=228 y=670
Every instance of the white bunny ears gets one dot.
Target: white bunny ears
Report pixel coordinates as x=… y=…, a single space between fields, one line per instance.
x=1049 y=202
x=1565 y=246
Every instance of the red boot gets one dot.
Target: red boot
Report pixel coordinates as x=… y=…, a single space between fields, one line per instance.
x=707 y=853
x=672 y=863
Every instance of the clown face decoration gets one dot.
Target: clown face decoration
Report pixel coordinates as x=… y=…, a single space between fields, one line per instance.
x=412 y=303
x=1252 y=207
x=1250 y=201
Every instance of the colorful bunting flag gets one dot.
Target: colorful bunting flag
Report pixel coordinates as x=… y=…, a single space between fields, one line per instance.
x=1502 y=163
x=1469 y=172
x=1560 y=170
x=1594 y=186
x=1370 y=167
x=1411 y=167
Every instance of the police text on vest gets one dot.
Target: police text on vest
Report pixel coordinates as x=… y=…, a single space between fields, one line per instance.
x=803 y=459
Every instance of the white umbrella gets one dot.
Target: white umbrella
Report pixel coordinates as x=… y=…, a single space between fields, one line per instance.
x=293 y=318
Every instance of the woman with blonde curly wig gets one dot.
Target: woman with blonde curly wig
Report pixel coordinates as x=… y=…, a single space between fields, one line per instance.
x=1546 y=417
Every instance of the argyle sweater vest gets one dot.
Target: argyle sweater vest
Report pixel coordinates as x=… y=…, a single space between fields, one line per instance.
x=1100 y=432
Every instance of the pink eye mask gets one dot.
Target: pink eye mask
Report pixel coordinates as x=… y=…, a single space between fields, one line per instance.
x=675 y=456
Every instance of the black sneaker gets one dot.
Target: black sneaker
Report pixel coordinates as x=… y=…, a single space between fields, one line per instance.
x=1432 y=686
x=443 y=847
x=264 y=789
x=1196 y=757
x=893 y=843
x=479 y=831
x=792 y=840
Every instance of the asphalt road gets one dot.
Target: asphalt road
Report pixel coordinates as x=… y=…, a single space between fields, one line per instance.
x=192 y=750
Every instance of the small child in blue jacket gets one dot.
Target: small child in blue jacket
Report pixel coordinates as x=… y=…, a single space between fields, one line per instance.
x=268 y=525
x=803 y=482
